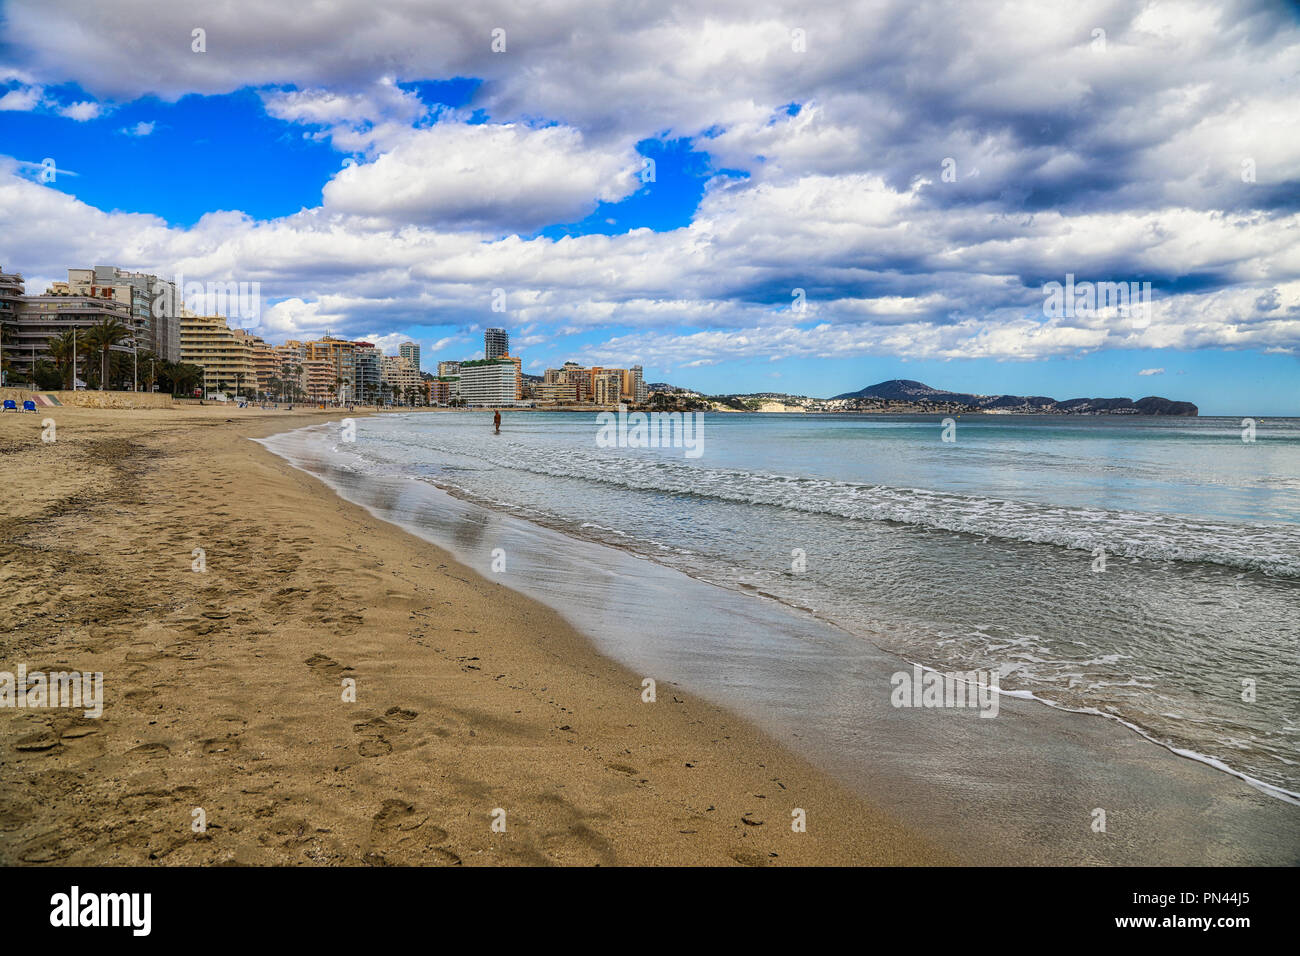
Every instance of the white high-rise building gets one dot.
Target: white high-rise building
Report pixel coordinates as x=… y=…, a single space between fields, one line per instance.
x=488 y=382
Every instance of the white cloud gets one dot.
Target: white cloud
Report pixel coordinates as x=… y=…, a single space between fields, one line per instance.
x=141 y=128
x=1113 y=166
x=81 y=112
x=495 y=178
x=355 y=121
x=21 y=100
x=1152 y=371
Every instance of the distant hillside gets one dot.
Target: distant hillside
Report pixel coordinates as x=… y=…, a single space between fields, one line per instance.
x=906 y=390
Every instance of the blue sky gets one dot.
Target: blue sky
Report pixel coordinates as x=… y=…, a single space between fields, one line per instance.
x=384 y=188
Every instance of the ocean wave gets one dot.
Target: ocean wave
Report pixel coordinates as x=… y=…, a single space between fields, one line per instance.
x=1270 y=549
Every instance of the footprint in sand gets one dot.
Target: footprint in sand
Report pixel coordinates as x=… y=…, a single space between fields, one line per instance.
x=400 y=815
x=393 y=832
x=13 y=817
x=377 y=730
x=326 y=666
x=229 y=745
x=374 y=747
x=40 y=741
x=150 y=751
x=75 y=728
x=48 y=847
x=139 y=695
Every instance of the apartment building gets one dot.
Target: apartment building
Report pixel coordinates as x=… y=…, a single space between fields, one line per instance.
x=563 y=393
x=496 y=344
x=400 y=376
x=368 y=368
x=607 y=387
x=411 y=352
x=11 y=294
x=448 y=369
x=571 y=374
x=224 y=354
x=340 y=354
x=444 y=390
x=265 y=362
x=42 y=317
x=319 y=377
x=154 y=306
x=634 y=386
x=519 y=373
x=489 y=382
x=288 y=358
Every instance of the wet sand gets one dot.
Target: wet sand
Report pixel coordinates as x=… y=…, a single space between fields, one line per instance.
x=224 y=688
x=1029 y=787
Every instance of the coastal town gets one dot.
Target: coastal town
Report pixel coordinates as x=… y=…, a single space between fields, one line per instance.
x=110 y=329
x=106 y=328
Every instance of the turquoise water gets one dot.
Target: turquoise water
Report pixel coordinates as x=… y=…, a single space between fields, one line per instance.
x=976 y=553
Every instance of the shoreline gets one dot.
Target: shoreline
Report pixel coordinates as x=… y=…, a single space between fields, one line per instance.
x=1269 y=789
x=222 y=688
x=1211 y=808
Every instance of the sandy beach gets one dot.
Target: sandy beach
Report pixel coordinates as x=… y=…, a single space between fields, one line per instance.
x=224 y=688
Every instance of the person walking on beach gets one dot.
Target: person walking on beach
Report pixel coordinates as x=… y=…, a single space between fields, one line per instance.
x=496 y=421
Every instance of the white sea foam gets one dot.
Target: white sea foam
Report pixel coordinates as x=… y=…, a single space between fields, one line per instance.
x=1272 y=549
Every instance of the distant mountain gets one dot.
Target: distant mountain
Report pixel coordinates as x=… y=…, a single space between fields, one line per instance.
x=906 y=390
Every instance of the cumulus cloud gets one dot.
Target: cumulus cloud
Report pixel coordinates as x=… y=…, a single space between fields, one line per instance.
x=1152 y=371
x=500 y=178
x=81 y=112
x=355 y=121
x=22 y=99
x=917 y=170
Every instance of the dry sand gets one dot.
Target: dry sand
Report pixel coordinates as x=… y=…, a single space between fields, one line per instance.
x=223 y=689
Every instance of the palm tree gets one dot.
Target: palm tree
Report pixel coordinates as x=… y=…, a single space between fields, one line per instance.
x=180 y=376
x=148 y=368
x=103 y=335
x=6 y=337
x=61 y=348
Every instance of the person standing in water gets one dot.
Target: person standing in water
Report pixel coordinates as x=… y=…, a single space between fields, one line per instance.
x=496 y=421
